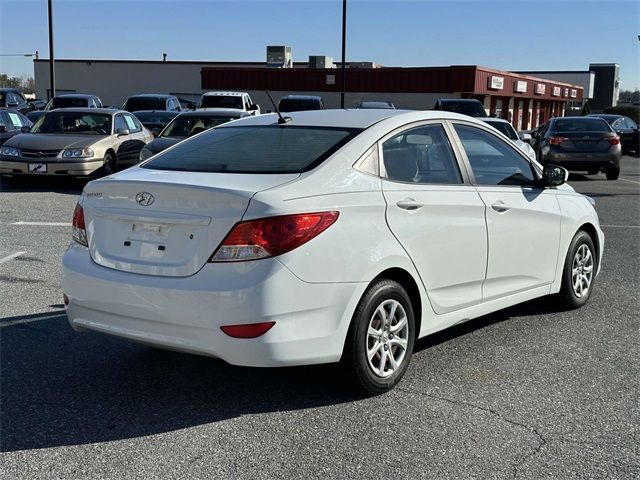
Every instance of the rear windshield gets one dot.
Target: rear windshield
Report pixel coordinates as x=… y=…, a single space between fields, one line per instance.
x=221 y=101
x=155 y=117
x=69 y=102
x=134 y=104
x=189 y=125
x=568 y=125
x=505 y=128
x=473 y=109
x=254 y=149
x=295 y=105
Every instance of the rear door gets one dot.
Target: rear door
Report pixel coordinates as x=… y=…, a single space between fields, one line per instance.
x=523 y=221
x=435 y=214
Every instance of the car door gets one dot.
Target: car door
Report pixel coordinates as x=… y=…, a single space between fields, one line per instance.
x=136 y=139
x=435 y=214
x=523 y=220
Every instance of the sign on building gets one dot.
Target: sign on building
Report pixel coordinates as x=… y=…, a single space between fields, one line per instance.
x=520 y=86
x=496 y=83
x=573 y=93
x=541 y=88
x=556 y=91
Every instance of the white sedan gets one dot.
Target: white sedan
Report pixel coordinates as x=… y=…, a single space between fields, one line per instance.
x=331 y=236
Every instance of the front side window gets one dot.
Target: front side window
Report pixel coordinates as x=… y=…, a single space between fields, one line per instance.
x=132 y=123
x=421 y=155
x=17 y=120
x=493 y=162
x=254 y=149
x=630 y=123
x=119 y=123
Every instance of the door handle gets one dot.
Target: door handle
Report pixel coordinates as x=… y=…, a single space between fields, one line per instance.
x=500 y=206
x=409 y=204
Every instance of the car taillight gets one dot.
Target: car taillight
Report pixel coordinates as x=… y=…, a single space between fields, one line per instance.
x=79 y=233
x=613 y=140
x=557 y=140
x=272 y=236
x=249 y=330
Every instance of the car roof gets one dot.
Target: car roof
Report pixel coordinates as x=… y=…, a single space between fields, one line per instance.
x=302 y=97
x=224 y=94
x=151 y=95
x=605 y=115
x=108 y=111
x=214 y=112
x=348 y=118
x=493 y=119
x=75 y=95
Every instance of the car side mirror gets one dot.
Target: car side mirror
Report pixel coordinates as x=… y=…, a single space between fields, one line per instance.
x=155 y=132
x=3 y=129
x=25 y=129
x=525 y=137
x=554 y=176
x=122 y=131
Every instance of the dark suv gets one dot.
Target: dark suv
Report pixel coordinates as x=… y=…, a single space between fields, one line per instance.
x=13 y=98
x=579 y=143
x=152 y=101
x=466 y=106
x=299 y=103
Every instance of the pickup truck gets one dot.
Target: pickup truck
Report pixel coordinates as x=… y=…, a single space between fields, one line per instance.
x=235 y=100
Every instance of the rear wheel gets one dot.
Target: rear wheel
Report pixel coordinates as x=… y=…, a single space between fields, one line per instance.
x=613 y=173
x=380 y=340
x=579 y=272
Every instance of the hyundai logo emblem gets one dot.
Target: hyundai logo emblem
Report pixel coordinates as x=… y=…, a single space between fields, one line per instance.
x=145 y=199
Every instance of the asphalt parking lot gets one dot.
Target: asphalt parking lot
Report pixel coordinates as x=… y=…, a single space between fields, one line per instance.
x=528 y=392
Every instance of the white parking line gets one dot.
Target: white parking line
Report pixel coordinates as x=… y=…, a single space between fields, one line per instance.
x=620 y=226
x=30 y=320
x=44 y=224
x=11 y=257
x=627 y=180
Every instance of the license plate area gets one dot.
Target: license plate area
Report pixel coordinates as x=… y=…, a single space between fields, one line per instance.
x=37 y=167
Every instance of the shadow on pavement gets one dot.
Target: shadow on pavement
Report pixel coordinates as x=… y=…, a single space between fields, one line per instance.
x=42 y=184
x=59 y=387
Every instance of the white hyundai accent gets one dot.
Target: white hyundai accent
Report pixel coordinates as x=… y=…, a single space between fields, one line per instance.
x=334 y=236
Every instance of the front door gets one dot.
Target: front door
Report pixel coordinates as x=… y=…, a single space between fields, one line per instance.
x=523 y=221
x=435 y=214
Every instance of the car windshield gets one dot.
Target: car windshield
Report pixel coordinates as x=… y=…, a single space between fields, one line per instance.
x=188 y=125
x=66 y=102
x=254 y=149
x=73 y=123
x=221 y=101
x=145 y=103
x=568 y=125
x=505 y=128
x=297 y=105
x=473 y=109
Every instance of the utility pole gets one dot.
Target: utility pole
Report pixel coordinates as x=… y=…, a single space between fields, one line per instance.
x=52 y=75
x=344 y=40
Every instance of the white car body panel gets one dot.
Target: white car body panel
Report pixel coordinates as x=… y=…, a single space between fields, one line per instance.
x=311 y=292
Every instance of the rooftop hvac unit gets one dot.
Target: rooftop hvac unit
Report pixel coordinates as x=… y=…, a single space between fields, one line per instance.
x=319 y=61
x=279 y=56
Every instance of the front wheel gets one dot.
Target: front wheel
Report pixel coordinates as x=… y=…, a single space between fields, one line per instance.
x=613 y=173
x=579 y=272
x=380 y=340
x=109 y=166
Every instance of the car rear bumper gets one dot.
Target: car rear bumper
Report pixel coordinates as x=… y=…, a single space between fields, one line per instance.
x=582 y=160
x=186 y=313
x=79 y=168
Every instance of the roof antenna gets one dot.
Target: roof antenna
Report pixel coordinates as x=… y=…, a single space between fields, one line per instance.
x=281 y=120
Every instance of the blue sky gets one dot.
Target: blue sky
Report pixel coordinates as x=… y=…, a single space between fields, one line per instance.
x=508 y=35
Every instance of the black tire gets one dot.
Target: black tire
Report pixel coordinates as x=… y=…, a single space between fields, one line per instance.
x=109 y=166
x=569 y=297
x=613 y=173
x=386 y=294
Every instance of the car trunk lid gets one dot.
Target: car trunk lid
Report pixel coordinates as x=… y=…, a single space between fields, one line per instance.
x=166 y=223
x=585 y=141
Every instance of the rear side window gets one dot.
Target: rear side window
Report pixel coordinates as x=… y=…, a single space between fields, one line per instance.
x=254 y=149
x=568 y=125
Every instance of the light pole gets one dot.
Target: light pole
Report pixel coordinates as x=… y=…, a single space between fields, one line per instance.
x=52 y=75
x=344 y=40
